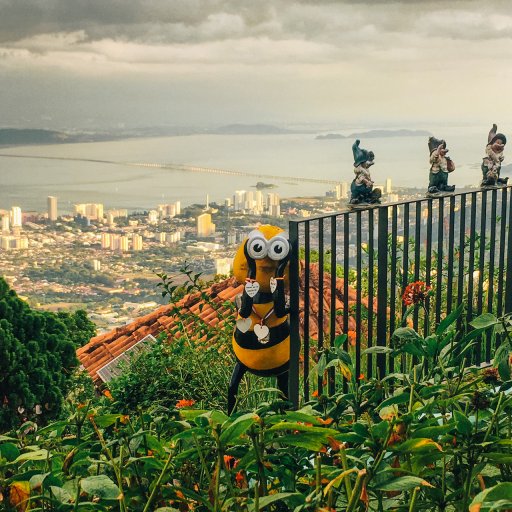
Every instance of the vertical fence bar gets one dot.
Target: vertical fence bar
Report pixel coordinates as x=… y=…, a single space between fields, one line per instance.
x=392 y=278
x=417 y=255
x=307 y=308
x=382 y=288
x=405 y=262
x=508 y=282
x=503 y=245
x=439 y=270
x=451 y=236
x=490 y=281
x=371 y=263
x=481 y=271
x=471 y=262
x=346 y=249
x=332 y=308
x=293 y=382
x=358 y=292
x=320 y=317
x=428 y=258
x=462 y=243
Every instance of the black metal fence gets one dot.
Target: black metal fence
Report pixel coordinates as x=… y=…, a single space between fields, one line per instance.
x=349 y=270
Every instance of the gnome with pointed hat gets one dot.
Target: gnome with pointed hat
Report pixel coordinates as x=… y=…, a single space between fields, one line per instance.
x=361 y=189
x=491 y=164
x=440 y=166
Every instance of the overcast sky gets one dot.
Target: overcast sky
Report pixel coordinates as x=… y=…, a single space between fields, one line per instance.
x=100 y=63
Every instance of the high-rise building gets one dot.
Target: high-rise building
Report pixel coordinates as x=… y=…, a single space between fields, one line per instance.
x=388 y=186
x=52 y=208
x=96 y=265
x=16 y=217
x=5 y=224
x=124 y=243
x=205 y=226
x=92 y=211
x=153 y=217
x=136 y=242
x=106 y=240
x=342 y=190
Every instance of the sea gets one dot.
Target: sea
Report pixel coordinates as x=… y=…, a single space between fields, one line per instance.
x=27 y=181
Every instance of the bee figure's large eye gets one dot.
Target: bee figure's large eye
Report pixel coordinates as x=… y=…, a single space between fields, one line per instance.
x=257 y=247
x=279 y=248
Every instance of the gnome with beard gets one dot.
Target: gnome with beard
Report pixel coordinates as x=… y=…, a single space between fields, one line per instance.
x=361 y=190
x=491 y=164
x=440 y=166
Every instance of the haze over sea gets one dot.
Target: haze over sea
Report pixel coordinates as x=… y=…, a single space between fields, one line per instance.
x=26 y=182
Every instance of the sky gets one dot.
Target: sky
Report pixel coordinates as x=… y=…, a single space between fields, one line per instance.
x=84 y=64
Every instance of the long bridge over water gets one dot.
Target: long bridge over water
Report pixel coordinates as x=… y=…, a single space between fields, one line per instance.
x=183 y=168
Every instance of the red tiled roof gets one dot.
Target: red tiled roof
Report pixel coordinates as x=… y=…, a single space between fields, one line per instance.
x=104 y=348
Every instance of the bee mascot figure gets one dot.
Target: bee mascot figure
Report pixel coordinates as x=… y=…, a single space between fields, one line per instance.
x=261 y=340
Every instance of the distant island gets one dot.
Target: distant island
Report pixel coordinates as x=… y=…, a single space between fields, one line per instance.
x=373 y=134
x=260 y=185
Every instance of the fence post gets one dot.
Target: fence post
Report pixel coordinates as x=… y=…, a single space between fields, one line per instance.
x=508 y=279
x=382 y=288
x=293 y=381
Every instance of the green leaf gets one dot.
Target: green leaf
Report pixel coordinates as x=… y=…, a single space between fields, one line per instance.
x=486 y=500
x=285 y=425
x=265 y=501
x=403 y=483
x=106 y=420
x=502 y=458
x=60 y=494
x=432 y=432
x=405 y=334
x=378 y=349
x=462 y=424
x=380 y=430
x=400 y=398
x=417 y=445
x=101 y=486
x=339 y=340
x=238 y=427
x=35 y=455
x=484 y=321
x=446 y=322
x=309 y=440
x=9 y=451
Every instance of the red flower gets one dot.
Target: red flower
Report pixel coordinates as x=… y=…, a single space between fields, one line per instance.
x=416 y=293
x=180 y=404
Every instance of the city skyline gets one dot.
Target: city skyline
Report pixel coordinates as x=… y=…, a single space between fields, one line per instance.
x=372 y=62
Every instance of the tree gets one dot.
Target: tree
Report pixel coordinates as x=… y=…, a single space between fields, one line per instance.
x=37 y=357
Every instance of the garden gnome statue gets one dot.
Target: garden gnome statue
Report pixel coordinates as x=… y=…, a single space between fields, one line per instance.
x=491 y=164
x=440 y=166
x=361 y=189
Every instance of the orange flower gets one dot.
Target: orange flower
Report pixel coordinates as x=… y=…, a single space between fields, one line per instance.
x=180 y=404
x=328 y=421
x=108 y=394
x=352 y=337
x=334 y=444
x=416 y=293
x=241 y=480
x=80 y=406
x=315 y=393
x=124 y=419
x=229 y=461
x=361 y=377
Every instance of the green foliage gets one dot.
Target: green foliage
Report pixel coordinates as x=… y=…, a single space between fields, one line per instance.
x=37 y=356
x=429 y=437
x=169 y=372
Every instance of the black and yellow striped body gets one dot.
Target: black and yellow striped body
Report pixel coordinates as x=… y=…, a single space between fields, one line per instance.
x=271 y=358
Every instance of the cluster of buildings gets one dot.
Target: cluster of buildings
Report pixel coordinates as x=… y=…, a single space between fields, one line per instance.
x=254 y=202
x=342 y=191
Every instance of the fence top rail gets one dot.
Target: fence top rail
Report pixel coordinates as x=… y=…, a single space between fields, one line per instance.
x=348 y=211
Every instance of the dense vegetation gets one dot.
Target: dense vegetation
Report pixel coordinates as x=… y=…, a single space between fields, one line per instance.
x=435 y=435
x=37 y=357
